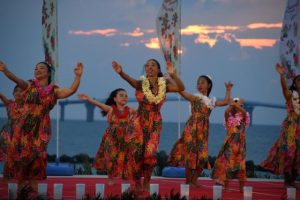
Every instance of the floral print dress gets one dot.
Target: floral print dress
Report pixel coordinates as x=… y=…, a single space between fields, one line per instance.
x=143 y=137
x=284 y=156
x=14 y=109
x=111 y=153
x=29 y=133
x=231 y=160
x=191 y=150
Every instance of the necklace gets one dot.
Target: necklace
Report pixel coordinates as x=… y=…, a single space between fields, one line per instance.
x=121 y=114
x=161 y=94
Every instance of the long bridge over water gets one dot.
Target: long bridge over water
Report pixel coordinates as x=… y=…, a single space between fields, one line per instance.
x=249 y=106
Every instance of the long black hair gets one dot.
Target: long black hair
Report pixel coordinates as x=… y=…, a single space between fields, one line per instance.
x=293 y=86
x=50 y=69
x=209 y=82
x=110 y=100
x=160 y=74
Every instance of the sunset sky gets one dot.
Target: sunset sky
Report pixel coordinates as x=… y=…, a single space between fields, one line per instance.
x=233 y=40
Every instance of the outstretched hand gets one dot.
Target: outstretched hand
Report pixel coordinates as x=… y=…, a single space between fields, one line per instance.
x=78 y=69
x=83 y=97
x=228 y=85
x=117 y=67
x=280 y=69
x=2 y=66
x=170 y=68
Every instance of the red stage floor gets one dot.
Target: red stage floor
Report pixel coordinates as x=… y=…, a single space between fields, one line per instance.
x=262 y=189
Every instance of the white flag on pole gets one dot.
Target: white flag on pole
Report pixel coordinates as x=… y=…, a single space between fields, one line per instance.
x=168 y=30
x=49 y=27
x=290 y=40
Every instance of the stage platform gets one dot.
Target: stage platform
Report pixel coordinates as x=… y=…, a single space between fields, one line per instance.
x=263 y=189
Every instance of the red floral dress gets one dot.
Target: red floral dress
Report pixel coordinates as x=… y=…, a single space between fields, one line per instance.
x=111 y=153
x=30 y=132
x=231 y=160
x=191 y=150
x=143 y=138
x=284 y=156
x=14 y=109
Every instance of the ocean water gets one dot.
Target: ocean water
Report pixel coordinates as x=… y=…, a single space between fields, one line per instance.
x=79 y=136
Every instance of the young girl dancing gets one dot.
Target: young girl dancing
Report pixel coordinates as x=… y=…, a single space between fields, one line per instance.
x=111 y=153
x=14 y=110
x=231 y=160
x=191 y=150
x=145 y=127
x=284 y=156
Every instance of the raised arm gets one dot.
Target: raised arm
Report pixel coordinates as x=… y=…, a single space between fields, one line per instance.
x=102 y=106
x=285 y=90
x=62 y=93
x=178 y=85
x=187 y=96
x=118 y=68
x=4 y=99
x=226 y=100
x=21 y=83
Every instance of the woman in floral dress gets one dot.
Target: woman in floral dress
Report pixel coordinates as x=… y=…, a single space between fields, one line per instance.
x=284 y=156
x=231 y=160
x=191 y=150
x=111 y=153
x=32 y=129
x=145 y=127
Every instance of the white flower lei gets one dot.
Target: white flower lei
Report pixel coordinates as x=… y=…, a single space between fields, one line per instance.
x=210 y=103
x=296 y=103
x=156 y=99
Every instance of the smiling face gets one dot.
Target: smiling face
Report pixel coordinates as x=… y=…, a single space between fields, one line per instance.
x=121 y=98
x=41 y=72
x=151 y=68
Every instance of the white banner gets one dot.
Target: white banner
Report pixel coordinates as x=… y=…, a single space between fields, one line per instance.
x=49 y=24
x=290 y=40
x=168 y=30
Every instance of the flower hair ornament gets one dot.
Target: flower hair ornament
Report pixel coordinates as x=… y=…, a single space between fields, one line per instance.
x=236 y=99
x=209 y=77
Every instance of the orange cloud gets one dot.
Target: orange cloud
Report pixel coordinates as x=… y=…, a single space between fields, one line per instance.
x=211 y=34
x=136 y=33
x=153 y=43
x=205 y=29
x=102 y=32
x=257 y=43
x=205 y=39
x=264 y=25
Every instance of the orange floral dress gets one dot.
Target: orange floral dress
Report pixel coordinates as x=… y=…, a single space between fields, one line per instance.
x=111 y=153
x=284 y=156
x=231 y=160
x=25 y=157
x=143 y=137
x=191 y=150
